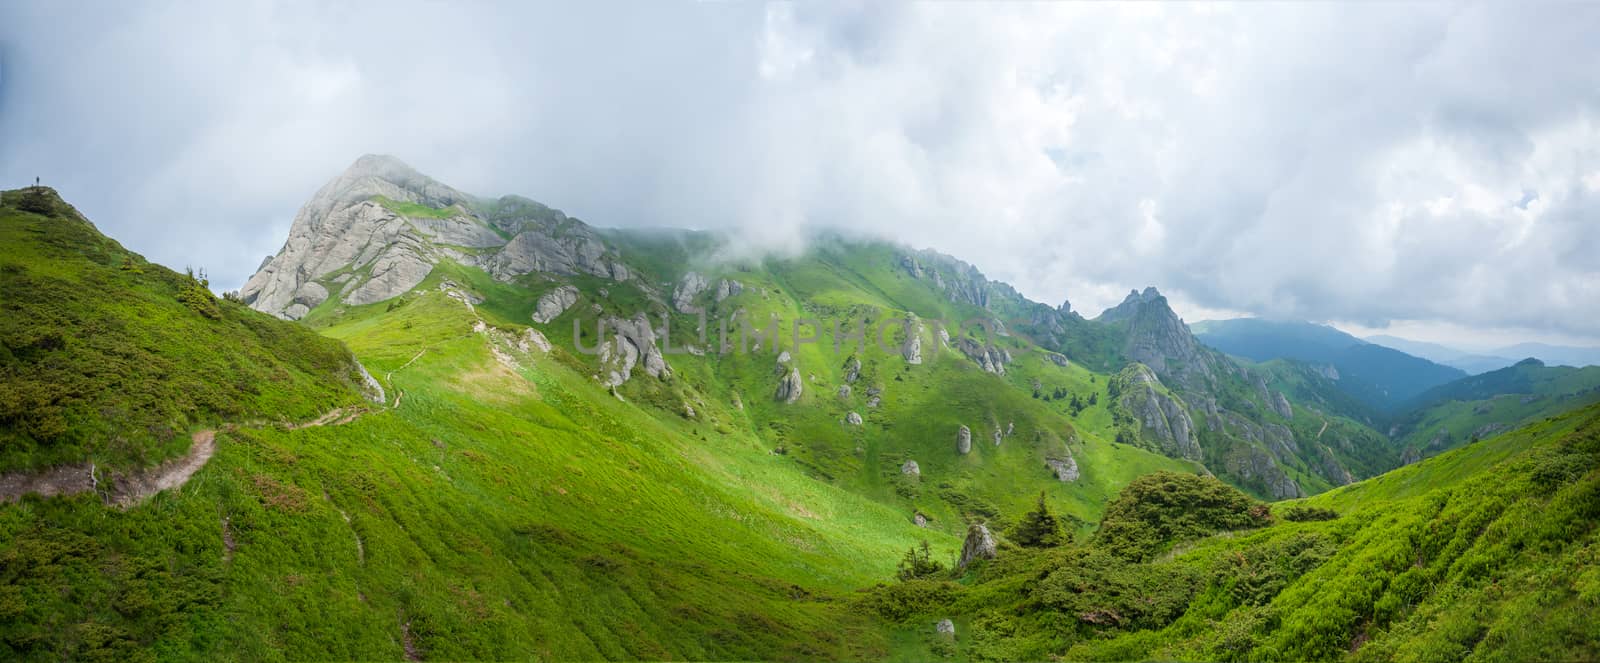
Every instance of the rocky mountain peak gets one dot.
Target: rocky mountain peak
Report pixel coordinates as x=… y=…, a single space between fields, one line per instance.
x=361 y=239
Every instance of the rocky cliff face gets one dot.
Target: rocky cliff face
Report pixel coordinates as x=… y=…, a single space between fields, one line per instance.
x=1163 y=420
x=377 y=230
x=1158 y=338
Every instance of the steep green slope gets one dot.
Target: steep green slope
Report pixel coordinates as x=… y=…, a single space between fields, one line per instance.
x=107 y=357
x=1483 y=553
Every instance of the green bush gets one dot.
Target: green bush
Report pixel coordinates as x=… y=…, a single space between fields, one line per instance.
x=1158 y=509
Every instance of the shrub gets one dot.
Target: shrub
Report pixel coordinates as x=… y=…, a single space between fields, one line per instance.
x=1301 y=514
x=918 y=562
x=1039 y=528
x=1164 y=507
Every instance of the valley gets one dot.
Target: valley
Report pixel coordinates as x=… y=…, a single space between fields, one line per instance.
x=439 y=426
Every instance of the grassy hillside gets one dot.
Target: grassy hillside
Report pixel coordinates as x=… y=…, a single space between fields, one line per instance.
x=1486 y=405
x=107 y=357
x=1483 y=553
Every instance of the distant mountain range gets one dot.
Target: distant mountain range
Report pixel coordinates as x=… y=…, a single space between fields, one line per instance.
x=1380 y=377
x=1475 y=363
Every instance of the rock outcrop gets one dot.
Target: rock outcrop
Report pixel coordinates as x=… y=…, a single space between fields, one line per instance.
x=1280 y=405
x=632 y=343
x=350 y=242
x=918 y=519
x=964 y=440
x=552 y=304
x=728 y=288
x=1065 y=468
x=1162 y=418
x=910 y=468
x=689 y=287
x=852 y=369
x=945 y=627
x=911 y=348
x=991 y=358
x=979 y=544
x=789 y=387
x=852 y=419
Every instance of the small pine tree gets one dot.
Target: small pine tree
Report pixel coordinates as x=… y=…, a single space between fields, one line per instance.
x=918 y=562
x=1039 y=528
x=1094 y=397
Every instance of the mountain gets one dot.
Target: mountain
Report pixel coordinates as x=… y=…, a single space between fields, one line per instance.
x=1380 y=377
x=381 y=230
x=626 y=444
x=1553 y=354
x=1472 y=363
x=1485 y=405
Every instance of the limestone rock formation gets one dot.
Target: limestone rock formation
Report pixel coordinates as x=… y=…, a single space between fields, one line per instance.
x=1065 y=469
x=1162 y=418
x=991 y=358
x=728 y=288
x=964 y=440
x=689 y=287
x=552 y=304
x=349 y=242
x=979 y=544
x=789 y=387
x=632 y=343
x=1280 y=405
x=911 y=349
x=852 y=369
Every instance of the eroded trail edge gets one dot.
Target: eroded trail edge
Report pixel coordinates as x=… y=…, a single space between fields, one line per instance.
x=126 y=488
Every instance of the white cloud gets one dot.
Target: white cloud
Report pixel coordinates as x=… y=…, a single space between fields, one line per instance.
x=1432 y=163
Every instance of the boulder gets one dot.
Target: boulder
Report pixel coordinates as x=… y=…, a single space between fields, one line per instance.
x=964 y=440
x=728 y=288
x=844 y=391
x=632 y=343
x=918 y=519
x=790 y=387
x=852 y=369
x=1065 y=469
x=852 y=419
x=945 y=627
x=979 y=544
x=910 y=467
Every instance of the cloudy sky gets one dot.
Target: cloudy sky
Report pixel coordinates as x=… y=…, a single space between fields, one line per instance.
x=1432 y=169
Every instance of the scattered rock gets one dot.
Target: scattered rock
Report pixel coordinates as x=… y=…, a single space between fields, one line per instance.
x=910 y=467
x=844 y=391
x=1057 y=359
x=990 y=358
x=852 y=369
x=964 y=440
x=872 y=401
x=852 y=419
x=945 y=627
x=911 y=350
x=997 y=435
x=728 y=288
x=918 y=519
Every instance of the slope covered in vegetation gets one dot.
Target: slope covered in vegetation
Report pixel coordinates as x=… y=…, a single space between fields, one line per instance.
x=1483 y=553
x=107 y=357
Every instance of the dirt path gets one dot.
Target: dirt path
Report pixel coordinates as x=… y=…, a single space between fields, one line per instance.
x=127 y=488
